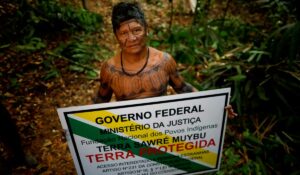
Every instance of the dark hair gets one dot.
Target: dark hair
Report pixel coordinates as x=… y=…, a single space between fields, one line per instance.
x=124 y=11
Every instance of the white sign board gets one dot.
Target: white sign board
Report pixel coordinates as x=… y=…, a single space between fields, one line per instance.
x=176 y=134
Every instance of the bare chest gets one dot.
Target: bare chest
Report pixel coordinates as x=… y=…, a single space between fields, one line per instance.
x=151 y=82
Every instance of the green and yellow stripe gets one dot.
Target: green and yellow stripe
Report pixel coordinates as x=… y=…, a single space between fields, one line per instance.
x=91 y=132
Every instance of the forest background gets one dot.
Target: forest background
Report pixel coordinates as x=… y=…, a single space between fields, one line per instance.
x=51 y=52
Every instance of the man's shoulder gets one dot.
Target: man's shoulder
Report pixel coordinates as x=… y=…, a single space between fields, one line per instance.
x=161 y=56
x=110 y=66
x=111 y=62
x=158 y=52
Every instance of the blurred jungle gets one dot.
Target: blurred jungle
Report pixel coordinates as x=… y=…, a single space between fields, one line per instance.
x=51 y=52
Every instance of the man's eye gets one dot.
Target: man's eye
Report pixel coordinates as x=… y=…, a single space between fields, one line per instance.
x=123 y=33
x=137 y=31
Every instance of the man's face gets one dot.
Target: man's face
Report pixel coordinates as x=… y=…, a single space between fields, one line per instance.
x=131 y=36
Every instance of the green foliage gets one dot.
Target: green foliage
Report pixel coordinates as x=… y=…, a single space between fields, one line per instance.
x=80 y=51
x=253 y=151
x=263 y=83
x=287 y=39
x=81 y=55
x=67 y=16
x=30 y=25
x=13 y=82
x=32 y=45
x=185 y=46
x=52 y=71
x=261 y=65
x=257 y=72
x=27 y=21
x=278 y=11
x=234 y=163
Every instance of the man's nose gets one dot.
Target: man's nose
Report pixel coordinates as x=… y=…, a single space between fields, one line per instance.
x=131 y=36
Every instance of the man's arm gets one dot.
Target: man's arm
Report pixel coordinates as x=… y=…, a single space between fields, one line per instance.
x=180 y=86
x=105 y=92
x=177 y=81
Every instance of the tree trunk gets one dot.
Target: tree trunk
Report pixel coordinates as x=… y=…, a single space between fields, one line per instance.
x=85 y=4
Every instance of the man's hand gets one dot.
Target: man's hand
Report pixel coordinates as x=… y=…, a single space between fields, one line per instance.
x=231 y=113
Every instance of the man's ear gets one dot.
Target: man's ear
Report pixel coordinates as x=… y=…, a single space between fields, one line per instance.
x=147 y=32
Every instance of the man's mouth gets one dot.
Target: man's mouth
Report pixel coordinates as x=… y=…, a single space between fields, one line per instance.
x=130 y=46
